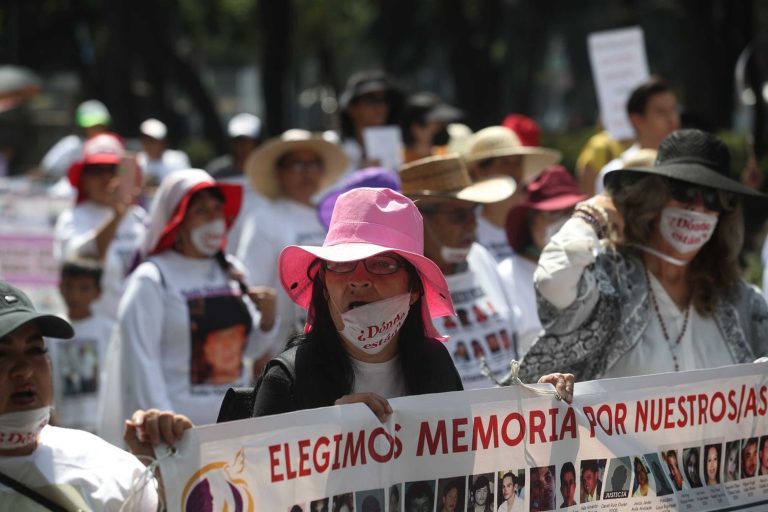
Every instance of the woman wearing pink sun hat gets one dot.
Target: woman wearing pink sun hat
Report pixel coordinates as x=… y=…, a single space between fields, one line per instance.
x=371 y=295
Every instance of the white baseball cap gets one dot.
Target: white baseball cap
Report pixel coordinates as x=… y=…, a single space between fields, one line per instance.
x=244 y=125
x=154 y=128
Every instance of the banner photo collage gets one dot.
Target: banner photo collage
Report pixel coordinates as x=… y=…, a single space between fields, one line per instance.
x=691 y=441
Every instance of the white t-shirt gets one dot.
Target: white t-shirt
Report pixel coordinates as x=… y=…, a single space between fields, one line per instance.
x=493 y=238
x=171 y=160
x=78 y=372
x=274 y=226
x=385 y=379
x=484 y=325
x=77 y=470
x=183 y=334
x=249 y=208
x=517 y=274
x=702 y=345
x=75 y=236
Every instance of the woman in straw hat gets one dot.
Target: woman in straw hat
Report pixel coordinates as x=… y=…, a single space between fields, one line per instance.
x=187 y=321
x=372 y=296
x=289 y=171
x=668 y=295
x=497 y=151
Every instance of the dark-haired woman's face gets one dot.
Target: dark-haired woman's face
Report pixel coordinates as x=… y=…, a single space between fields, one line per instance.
x=713 y=463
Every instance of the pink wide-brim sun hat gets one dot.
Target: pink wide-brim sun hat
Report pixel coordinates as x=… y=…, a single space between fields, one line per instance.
x=365 y=222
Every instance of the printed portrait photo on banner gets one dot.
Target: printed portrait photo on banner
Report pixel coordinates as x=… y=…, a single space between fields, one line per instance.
x=763 y=456
x=343 y=503
x=641 y=487
x=319 y=505
x=691 y=467
x=712 y=464
x=749 y=457
x=591 y=480
x=419 y=496
x=568 y=483
x=369 y=501
x=450 y=494
x=542 y=489
x=395 y=492
x=508 y=490
x=480 y=493
x=618 y=483
x=662 y=485
x=673 y=469
x=732 y=467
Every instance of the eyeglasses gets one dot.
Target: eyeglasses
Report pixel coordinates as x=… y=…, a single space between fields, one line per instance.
x=303 y=166
x=380 y=265
x=457 y=216
x=712 y=199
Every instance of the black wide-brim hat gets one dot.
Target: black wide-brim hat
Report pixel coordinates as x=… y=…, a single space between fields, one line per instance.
x=692 y=156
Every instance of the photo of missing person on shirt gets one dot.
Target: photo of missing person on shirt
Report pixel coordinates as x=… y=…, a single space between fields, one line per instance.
x=219 y=330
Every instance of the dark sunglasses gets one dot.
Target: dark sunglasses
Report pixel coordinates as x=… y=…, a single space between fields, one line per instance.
x=712 y=199
x=380 y=265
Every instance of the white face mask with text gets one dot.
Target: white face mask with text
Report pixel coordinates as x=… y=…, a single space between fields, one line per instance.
x=18 y=429
x=685 y=230
x=454 y=254
x=209 y=237
x=371 y=327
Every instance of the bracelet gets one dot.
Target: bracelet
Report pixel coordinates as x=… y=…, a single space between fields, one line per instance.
x=591 y=220
x=596 y=211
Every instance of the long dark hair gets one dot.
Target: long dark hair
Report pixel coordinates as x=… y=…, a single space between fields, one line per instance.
x=326 y=347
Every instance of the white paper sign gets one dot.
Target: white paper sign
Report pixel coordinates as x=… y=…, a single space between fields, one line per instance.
x=644 y=443
x=619 y=64
x=385 y=144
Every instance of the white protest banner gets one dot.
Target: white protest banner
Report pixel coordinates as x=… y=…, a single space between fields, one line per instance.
x=692 y=441
x=385 y=144
x=619 y=64
x=26 y=246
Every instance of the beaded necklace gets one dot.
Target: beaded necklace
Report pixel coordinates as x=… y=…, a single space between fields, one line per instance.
x=655 y=305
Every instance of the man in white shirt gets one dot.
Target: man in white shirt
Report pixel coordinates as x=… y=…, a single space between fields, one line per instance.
x=653 y=111
x=155 y=159
x=447 y=199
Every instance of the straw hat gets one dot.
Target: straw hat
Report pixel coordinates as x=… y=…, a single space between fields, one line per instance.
x=260 y=165
x=498 y=141
x=446 y=176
